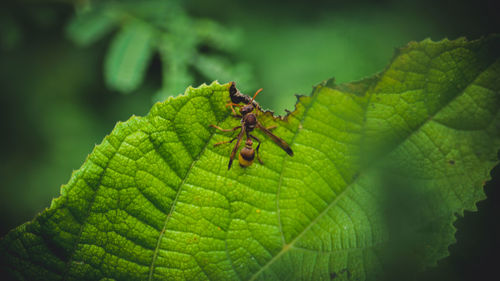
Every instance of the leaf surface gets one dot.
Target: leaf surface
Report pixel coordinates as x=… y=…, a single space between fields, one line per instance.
x=381 y=168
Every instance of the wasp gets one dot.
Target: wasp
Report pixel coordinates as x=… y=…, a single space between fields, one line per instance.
x=248 y=123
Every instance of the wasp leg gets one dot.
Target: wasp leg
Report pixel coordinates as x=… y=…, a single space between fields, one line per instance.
x=232 y=105
x=223 y=142
x=270 y=127
x=232 y=109
x=225 y=130
x=257 y=149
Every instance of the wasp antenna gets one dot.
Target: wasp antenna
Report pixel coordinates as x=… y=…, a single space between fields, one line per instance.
x=256 y=93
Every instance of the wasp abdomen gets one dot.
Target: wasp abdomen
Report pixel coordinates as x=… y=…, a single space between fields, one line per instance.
x=247 y=154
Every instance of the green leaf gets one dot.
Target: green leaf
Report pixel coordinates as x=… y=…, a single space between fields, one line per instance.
x=217 y=36
x=381 y=169
x=220 y=68
x=90 y=26
x=128 y=57
x=176 y=51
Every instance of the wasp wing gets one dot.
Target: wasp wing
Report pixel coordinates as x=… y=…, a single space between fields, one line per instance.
x=281 y=143
x=235 y=149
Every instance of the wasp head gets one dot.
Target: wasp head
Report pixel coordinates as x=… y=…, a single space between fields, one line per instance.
x=246 y=109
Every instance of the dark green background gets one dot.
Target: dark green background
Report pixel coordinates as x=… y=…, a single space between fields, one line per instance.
x=54 y=105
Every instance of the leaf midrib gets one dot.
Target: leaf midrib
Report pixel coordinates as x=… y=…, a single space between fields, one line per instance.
x=430 y=118
x=174 y=203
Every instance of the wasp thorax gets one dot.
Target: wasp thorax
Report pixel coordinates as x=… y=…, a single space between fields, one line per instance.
x=250 y=121
x=247 y=154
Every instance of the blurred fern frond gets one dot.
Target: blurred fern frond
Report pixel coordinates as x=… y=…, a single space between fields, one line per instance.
x=191 y=50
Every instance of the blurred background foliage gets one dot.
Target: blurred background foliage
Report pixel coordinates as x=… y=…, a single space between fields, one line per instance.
x=70 y=70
